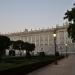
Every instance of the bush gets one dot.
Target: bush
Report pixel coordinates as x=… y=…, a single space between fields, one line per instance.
x=24 y=69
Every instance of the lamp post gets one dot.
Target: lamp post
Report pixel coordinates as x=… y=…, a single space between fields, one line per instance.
x=66 y=49
x=54 y=35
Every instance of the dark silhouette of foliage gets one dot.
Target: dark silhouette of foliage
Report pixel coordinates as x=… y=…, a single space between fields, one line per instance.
x=18 y=45
x=29 y=48
x=32 y=47
x=11 y=45
x=4 y=44
x=70 y=15
x=12 y=42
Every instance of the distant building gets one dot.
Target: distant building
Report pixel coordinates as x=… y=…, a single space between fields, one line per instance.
x=44 y=41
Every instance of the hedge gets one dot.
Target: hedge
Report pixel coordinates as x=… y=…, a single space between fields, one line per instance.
x=22 y=70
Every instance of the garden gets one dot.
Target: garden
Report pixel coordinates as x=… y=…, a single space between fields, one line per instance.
x=20 y=65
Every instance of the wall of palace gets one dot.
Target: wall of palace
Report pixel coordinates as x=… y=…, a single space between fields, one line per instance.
x=44 y=40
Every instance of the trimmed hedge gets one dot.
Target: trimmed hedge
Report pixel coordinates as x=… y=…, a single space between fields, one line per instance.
x=22 y=70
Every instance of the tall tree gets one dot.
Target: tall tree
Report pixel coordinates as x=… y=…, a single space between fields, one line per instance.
x=4 y=44
x=18 y=45
x=29 y=48
x=32 y=47
x=70 y=15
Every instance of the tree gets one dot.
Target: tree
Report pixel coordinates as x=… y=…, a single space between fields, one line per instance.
x=29 y=48
x=18 y=45
x=11 y=45
x=70 y=15
x=4 y=44
x=32 y=47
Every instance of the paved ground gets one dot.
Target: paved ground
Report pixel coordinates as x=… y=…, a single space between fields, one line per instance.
x=64 y=67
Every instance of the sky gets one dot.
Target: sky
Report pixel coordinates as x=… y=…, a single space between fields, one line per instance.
x=16 y=15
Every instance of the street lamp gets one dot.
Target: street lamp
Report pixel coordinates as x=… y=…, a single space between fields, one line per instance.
x=66 y=49
x=54 y=35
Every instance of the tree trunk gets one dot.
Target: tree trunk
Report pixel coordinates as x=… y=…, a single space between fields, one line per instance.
x=27 y=54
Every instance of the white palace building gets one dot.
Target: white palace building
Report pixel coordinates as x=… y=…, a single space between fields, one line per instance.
x=44 y=40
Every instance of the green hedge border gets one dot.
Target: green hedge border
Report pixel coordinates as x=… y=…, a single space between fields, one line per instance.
x=28 y=68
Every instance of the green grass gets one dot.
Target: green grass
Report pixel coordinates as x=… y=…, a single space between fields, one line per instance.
x=4 y=66
x=12 y=63
x=18 y=63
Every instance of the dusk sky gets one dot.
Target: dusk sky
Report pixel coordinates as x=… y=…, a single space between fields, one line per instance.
x=16 y=15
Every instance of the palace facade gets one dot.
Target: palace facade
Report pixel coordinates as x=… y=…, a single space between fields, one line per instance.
x=44 y=40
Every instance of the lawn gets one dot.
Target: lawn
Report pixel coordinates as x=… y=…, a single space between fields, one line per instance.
x=16 y=62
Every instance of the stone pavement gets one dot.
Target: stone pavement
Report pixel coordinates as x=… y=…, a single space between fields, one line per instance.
x=65 y=67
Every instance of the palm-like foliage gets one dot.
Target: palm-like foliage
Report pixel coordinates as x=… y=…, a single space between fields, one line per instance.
x=70 y=15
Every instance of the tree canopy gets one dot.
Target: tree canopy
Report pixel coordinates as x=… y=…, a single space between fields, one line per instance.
x=70 y=16
x=29 y=47
x=4 y=44
x=18 y=44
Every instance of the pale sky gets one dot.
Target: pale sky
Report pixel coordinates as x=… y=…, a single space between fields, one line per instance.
x=16 y=15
